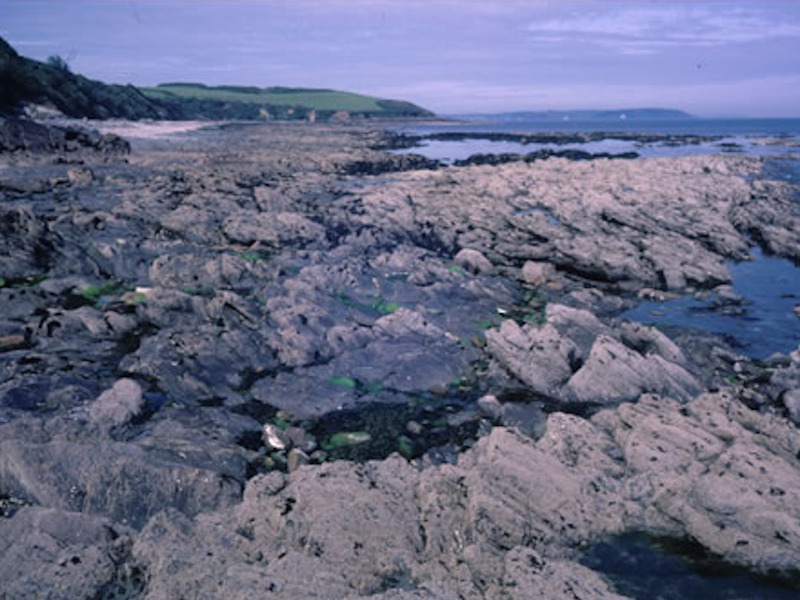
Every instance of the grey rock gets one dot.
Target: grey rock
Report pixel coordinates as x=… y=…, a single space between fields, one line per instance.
x=649 y=340
x=528 y=419
x=508 y=514
x=474 y=261
x=302 y=439
x=226 y=271
x=271 y=229
x=414 y=428
x=49 y=554
x=539 y=356
x=120 y=481
x=118 y=405
x=537 y=273
x=26 y=244
x=716 y=471
x=490 y=406
x=80 y=176
x=578 y=325
x=527 y=575
x=296 y=459
x=615 y=373
x=791 y=400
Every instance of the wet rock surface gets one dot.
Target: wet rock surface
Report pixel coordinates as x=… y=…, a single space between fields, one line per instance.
x=275 y=361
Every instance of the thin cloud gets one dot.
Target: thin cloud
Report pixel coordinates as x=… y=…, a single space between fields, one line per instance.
x=638 y=30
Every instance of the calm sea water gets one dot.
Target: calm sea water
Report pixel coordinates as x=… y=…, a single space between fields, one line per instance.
x=759 y=137
x=764 y=324
x=725 y=127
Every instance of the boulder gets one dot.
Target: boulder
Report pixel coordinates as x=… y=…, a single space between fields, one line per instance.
x=791 y=400
x=474 y=262
x=716 y=472
x=50 y=554
x=118 y=405
x=537 y=273
x=527 y=575
x=614 y=373
x=538 y=355
x=121 y=481
x=272 y=229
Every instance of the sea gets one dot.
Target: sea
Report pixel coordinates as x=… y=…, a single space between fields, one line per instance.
x=759 y=137
x=768 y=321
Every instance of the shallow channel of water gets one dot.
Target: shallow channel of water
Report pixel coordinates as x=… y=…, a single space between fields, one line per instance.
x=647 y=568
x=766 y=323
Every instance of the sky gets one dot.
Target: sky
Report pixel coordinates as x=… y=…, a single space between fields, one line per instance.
x=711 y=58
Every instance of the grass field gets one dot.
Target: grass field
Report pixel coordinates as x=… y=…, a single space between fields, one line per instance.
x=320 y=100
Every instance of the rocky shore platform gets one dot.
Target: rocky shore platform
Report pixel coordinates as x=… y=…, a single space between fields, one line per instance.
x=276 y=361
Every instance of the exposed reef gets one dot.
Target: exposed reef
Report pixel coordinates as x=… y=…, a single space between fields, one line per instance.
x=276 y=361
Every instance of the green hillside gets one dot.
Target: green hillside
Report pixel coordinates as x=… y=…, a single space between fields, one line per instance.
x=320 y=100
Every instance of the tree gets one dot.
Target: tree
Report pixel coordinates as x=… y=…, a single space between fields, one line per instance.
x=59 y=63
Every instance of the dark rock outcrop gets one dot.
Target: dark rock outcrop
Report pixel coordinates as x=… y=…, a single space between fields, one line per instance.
x=23 y=135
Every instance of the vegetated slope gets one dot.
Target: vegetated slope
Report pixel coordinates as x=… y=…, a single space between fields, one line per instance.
x=282 y=101
x=24 y=80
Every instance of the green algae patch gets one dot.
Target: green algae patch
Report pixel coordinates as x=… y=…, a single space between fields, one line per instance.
x=347 y=382
x=374 y=305
x=93 y=293
x=344 y=439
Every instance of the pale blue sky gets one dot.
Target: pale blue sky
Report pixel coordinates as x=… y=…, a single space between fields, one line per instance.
x=711 y=58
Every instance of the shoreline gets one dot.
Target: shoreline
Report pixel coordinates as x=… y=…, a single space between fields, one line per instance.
x=185 y=325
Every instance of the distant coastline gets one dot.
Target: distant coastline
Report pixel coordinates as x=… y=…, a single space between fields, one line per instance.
x=622 y=114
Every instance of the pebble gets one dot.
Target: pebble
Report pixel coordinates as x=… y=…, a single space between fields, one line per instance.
x=297 y=458
x=300 y=438
x=274 y=437
x=490 y=406
x=537 y=273
x=12 y=342
x=413 y=428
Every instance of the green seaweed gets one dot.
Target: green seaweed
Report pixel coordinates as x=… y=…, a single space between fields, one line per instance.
x=2 y=282
x=456 y=270
x=405 y=447
x=249 y=255
x=344 y=439
x=485 y=324
x=384 y=308
x=373 y=388
x=93 y=293
x=136 y=298
x=347 y=382
x=377 y=304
